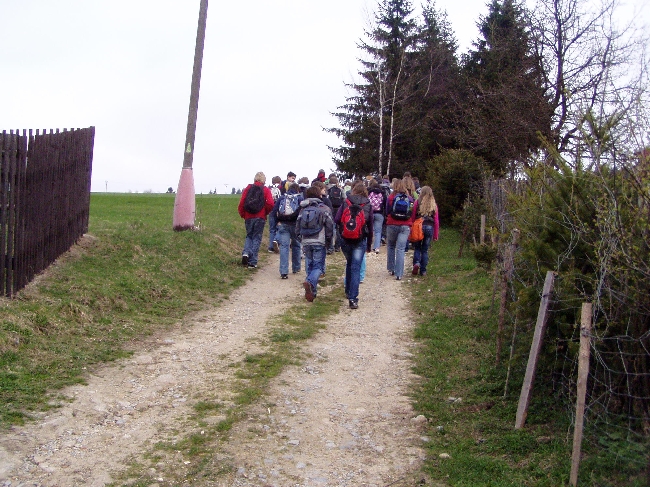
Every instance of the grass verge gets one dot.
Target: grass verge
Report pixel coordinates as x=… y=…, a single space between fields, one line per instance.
x=472 y=440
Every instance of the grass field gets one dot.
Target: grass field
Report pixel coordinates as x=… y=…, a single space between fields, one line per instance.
x=133 y=276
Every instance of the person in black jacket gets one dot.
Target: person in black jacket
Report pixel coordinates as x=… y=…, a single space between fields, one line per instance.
x=354 y=249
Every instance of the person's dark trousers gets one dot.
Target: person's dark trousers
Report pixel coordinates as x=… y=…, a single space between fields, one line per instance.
x=254 y=231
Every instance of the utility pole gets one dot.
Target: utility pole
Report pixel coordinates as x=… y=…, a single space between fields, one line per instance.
x=185 y=204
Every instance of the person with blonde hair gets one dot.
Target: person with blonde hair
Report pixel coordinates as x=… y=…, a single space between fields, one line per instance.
x=428 y=210
x=400 y=215
x=255 y=204
x=409 y=184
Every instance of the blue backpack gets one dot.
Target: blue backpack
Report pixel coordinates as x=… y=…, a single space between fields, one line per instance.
x=311 y=221
x=401 y=209
x=288 y=207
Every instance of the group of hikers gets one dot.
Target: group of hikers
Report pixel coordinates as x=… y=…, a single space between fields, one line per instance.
x=318 y=218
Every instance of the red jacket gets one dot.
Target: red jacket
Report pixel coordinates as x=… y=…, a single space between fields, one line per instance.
x=268 y=204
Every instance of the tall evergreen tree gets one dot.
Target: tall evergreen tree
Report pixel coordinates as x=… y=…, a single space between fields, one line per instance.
x=435 y=78
x=507 y=109
x=374 y=116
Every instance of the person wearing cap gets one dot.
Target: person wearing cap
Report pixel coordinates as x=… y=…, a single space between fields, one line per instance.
x=320 y=177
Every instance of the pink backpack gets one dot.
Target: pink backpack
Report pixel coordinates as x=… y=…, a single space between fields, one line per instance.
x=376 y=199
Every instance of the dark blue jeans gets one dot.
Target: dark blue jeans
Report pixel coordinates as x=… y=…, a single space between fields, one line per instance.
x=353 y=252
x=289 y=244
x=315 y=258
x=254 y=231
x=273 y=228
x=421 y=249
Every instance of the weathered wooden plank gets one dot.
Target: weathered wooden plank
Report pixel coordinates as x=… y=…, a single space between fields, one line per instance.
x=531 y=368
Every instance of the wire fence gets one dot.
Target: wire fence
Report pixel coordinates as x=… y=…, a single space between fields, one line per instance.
x=617 y=405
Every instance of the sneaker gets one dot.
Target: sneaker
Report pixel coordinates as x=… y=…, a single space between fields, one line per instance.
x=392 y=273
x=424 y=273
x=276 y=247
x=252 y=266
x=354 y=303
x=416 y=269
x=244 y=259
x=284 y=276
x=398 y=278
x=309 y=291
x=376 y=251
x=337 y=250
x=270 y=250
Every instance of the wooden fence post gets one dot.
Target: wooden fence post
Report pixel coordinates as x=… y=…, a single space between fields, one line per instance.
x=540 y=327
x=506 y=276
x=583 y=375
x=482 y=238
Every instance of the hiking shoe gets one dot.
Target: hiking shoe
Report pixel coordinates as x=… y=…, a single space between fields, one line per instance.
x=284 y=276
x=309 y=291
x=276 y=247
x=416 y=269
x=354 y=303
x=244 y=259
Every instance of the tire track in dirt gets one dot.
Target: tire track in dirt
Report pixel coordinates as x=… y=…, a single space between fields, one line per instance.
x=342 y=418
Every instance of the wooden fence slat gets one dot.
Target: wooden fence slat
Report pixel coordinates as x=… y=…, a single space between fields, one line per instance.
x=44 y=199
x=540 y=327
x=583 y=375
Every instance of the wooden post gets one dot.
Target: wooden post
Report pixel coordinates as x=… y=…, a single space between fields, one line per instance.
x=583 y=375
x=482 y=229
x=540 y=327
x=508 y=268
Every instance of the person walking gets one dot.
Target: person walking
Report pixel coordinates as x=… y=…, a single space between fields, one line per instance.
x=400 y=215
x=377 y=198
x=284 y=185
x=255 y=204
x=428 y=210
x=314 y=225
x=286 y=212
x=276 y=181
x=336 y=196
x=354 y=219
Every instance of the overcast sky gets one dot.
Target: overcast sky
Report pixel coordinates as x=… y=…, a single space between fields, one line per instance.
x=273 y=70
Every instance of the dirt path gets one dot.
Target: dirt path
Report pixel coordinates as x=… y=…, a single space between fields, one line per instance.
x=342 y=418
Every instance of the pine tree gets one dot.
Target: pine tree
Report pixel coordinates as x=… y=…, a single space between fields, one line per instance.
x=507 y=109
x=373 y=117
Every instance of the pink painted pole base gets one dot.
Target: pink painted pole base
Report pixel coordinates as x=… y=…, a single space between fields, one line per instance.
x=184 y=205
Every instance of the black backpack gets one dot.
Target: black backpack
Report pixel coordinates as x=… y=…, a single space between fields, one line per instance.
x=336 y=196
x=255 y=200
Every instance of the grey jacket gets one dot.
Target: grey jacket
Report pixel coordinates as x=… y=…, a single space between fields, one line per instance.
x=324 y=237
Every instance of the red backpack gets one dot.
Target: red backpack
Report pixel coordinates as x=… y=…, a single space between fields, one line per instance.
x=353 y=221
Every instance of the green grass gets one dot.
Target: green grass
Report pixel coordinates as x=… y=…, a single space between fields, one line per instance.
x=131 y=278
x=135 y=277
x=456 y=332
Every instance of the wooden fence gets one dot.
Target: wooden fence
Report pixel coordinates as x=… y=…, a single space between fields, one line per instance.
x=44 y=199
